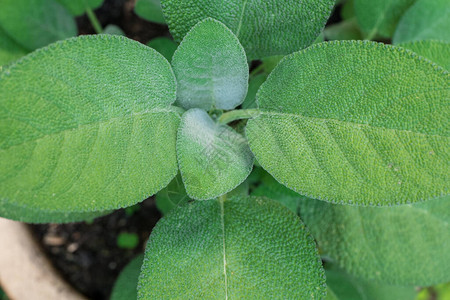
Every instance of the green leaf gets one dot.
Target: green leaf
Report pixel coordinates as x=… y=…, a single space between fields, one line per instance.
x=345 y=30
x=346 y=287
x=240 y=248
x=436 y=51
x=211 y=68
x=78 y=7
x=347 y=10
x=425 y=20
x=213 y=158
x=164 y=45
x=9 y=49
x=171 y=196
x=264 y=28
x=253 y=87
x=125 y=287
x=36 y=23
x=94 y=133
x=113 y=29
x=150 y=10
x=127 y=240
x=355 y=122
x=380 y=16
x=404 y=245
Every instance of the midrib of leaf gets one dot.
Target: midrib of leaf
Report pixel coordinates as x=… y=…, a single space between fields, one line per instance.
x=238 y=30
x=222 y=220
x=88 y=124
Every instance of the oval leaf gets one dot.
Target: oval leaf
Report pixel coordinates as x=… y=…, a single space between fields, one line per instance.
x=94 y=133
x=78 y=7
x=240 y=248
x=355 y=122
x=402 y=245
x=213 y=158
x=211 y=68
x=150 y=10
x=436 y=51
x=36 y=23
x=264 y=28
x=425 y=20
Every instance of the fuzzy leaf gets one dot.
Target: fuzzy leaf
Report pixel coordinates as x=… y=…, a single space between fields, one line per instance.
x=402 y=245
x=95 y=132
x=78 y=7
x=150 y=10
x=9 y=49
x=125 y=287
x=436 y=51
x=425 y=20
x=264 y=28
x=355 y=122
x=211 y=68
x=171 y=196
x=164 y=45
x=240 y=248
x=213 y=158
x=36 y=23
x=380 y=16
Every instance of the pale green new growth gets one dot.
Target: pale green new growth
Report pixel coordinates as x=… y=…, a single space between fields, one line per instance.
x=425 y=20
x=404 y=245
x=213 y=158
x=355 y=122
x=211 y=68
x=380 y=16
x=86 y=125
x=125 y=287
x=436 y=51
x=150 y=10
x=78 y=7
x=264 y=28
x=36 y=23
x=9 y=49
x=239 y=248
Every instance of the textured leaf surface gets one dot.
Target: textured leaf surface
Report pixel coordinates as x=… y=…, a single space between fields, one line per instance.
x=86 y=125
x=125 y=287
x=425 y=20
x=78 y=7
x=380 y=16
x=264 y=28
x=436 y=51
x=36 y=23
x=150 y=10
x=171 y=196
x=9 y=49
x=164 y=45
x=346 y=287
x=355 y=122
x=213 y=158
x=211 y=68
x=404 y=245
x=241 y=248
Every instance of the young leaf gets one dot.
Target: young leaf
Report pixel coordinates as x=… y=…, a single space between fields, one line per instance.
x=240 y=248
x=164 y=45
x=355 y=122
x=36 y=23
x=94 y=133
x=436 y=51
x=150 y=10
x=211 y=68
x=78 y=7
x=171 y=196
x=9 y=49
x=213 y=158
x=404 y=245
x=125 y=287
x=380 y=16
x=265 y=28
x=346 y=287
x=425 y=20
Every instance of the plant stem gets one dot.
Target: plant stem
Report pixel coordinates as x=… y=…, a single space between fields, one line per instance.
x=234 y=115
x=93 y=19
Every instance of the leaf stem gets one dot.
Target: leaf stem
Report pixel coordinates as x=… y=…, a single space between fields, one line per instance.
x=93 y=19
x=234 y=115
